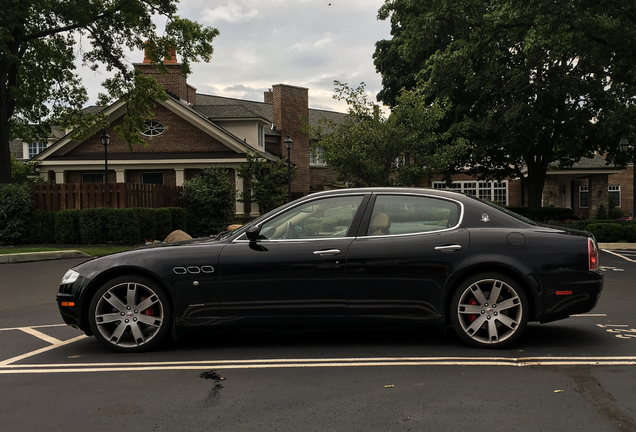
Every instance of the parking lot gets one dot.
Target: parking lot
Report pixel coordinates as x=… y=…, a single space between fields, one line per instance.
x=577 y=374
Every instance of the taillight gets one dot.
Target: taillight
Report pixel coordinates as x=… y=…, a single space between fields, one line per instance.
x=592 y=254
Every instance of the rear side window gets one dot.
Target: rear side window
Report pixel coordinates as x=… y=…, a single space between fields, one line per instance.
x=403 y=214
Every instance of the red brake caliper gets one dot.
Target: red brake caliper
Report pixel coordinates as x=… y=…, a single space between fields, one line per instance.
x=472 y=302
x=149 y=311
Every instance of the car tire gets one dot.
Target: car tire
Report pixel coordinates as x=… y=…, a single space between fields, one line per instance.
x=487 y=322
x=130 y=314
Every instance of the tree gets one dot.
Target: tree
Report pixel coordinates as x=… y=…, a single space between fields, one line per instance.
x=527 y=84
x=38 y=85
x=371 y=149
x=265 y=182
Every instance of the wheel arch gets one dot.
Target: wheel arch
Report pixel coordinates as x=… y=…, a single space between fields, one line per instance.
x=102 y=278
x=492 y=267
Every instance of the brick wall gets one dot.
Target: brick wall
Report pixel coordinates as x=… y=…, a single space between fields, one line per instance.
x=179 y=136
x=319 y=176
x=174 y=82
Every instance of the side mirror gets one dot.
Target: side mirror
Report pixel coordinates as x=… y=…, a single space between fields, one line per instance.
x=253 y=233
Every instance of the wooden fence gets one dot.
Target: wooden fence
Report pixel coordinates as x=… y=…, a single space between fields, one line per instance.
x=116 y=195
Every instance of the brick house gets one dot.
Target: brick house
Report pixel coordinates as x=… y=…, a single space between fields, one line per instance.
x=190 y=132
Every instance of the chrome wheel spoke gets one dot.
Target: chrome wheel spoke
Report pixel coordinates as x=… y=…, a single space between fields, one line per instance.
x=469 y=309
x=476 y=325
x=507 y=321
x=493 y=332
x=153 y=299
x=119 y=331
x=114 y=301
x=478 y=294
x=131 y=294
x=138 y=335
x=152 y=321
x=508 y=304
x=496 y=291
x=108 y=318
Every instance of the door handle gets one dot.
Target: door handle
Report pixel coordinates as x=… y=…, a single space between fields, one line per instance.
x=449 y=248
x=327 y=252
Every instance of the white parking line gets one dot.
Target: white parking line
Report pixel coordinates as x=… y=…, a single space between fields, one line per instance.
x=40 y=335
x=324 y=363
x=41 y=350
x=619 y=255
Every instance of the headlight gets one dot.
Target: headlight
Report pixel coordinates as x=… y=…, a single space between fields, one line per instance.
x=70 y=276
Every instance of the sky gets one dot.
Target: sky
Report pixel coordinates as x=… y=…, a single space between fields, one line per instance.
x=306 y=43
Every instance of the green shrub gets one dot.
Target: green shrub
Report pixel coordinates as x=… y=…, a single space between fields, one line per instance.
x=545 y=214
x=67 y=226
x=522 y=210
x=602 y=213
x=629 y=231
x=178 y=217
x=15 y=213
x=42 y=227
x=123 y=227
x=615 y=213
x=92 y=226
x=147 y=223
x=607 y=232
x=210 y=201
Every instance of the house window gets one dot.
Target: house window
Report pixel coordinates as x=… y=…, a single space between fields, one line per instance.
x=152 y=178
x=317 y=156
x=584 y=196
x=35 y=148
x=489 y=191
x=261 y=136
x=402 y=160
x=153 y=128
x=93 y=177
x=614 y=193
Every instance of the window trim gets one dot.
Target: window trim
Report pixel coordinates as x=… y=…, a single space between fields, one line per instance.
x=584 y=190
x=150 y=126
x=468 y=186
x=616 y=190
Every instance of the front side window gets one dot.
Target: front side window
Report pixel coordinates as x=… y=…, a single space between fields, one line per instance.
x=614 y=195
x=36 y=148
x=317 y=156
x=323 y=218
x=584 y=196
x=402 y=214
x=152 y=178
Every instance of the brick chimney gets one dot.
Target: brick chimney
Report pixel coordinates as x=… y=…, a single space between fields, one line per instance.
x=174 y=82
x=291 y=110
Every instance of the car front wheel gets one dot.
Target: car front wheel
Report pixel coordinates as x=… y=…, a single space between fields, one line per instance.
x=130 y=314
x=489 y=311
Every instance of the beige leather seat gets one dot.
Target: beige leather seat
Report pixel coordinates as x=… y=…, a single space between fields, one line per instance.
x=381 y=224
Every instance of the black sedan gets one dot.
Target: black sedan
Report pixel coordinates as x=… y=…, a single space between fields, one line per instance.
x=347 y=258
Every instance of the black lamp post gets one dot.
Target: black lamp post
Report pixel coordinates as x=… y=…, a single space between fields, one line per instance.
x=626 y=147
x=105 y=141
x=288 y=145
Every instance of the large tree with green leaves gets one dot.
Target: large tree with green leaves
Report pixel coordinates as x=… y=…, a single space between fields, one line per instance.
x=527 y=84
x=266 y=182
x=370 y=148
x=40 y=41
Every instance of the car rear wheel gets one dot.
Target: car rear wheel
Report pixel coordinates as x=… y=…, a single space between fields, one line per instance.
x=489 y=310
x=130 y=314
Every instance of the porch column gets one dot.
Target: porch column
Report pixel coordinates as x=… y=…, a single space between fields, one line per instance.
x=59 y=177
x=238 y=181
x=551 y=196
x=598 y=194
x=180 y=176
x=120 y=176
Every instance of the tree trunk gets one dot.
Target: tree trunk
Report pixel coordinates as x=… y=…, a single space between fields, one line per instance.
x=5 y=151
x=534 y=182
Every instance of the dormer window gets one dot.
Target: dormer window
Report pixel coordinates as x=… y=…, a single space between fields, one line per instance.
x=261 y=136
x=153 y=128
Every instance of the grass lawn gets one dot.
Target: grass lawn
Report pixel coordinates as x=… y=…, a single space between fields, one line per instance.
x=94 y=251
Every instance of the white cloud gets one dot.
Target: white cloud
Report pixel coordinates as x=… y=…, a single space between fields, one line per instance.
x=232 y=13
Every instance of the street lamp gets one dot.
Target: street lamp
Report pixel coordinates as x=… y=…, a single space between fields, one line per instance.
x=626 y=147
x=288 y=145
x=105 y=141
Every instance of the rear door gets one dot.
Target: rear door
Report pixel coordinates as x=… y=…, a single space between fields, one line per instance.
x=406 y=249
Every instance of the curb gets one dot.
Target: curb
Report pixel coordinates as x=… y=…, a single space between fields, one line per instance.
x=617 y=246
x=41 y=256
